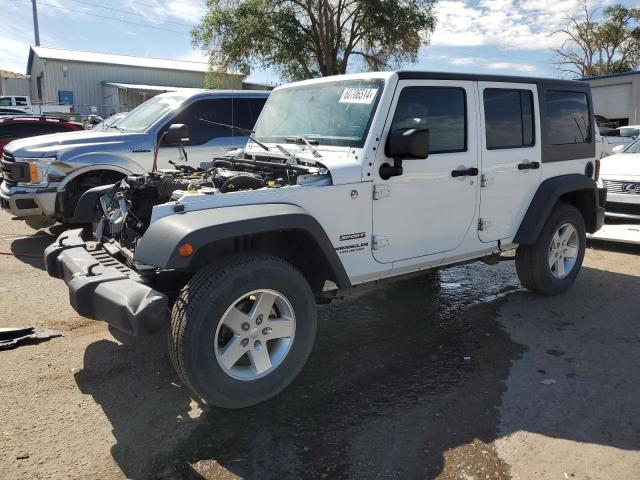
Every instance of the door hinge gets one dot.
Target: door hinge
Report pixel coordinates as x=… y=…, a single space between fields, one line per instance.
x=483 y=224
x=379 y=242
x=485 y=181
x=381 y=191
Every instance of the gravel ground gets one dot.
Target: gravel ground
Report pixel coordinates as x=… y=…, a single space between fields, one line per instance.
x=457 y=375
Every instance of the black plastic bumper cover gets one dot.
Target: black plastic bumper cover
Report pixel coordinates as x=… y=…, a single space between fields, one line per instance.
x=602 y=201
x=103 y=289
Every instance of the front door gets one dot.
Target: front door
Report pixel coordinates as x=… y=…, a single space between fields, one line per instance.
x=429 y=208
x=510 y=156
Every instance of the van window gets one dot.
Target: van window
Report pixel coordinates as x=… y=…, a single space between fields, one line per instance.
x=567 y=117
x=508 y=118
x=441 y=110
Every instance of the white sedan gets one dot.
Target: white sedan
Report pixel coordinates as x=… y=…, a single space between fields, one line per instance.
x=620 y=173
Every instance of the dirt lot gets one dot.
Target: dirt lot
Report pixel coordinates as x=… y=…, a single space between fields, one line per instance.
x=458 y=375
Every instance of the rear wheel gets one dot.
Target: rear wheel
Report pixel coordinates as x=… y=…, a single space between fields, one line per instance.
x=551 y=264
x=242 y=330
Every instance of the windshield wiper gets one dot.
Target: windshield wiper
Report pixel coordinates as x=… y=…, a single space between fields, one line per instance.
x=244 y=131
x=309 y=143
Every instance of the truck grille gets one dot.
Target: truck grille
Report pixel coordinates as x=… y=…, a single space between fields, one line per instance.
x=624 y=208
x=617 y=186
x=13 y=172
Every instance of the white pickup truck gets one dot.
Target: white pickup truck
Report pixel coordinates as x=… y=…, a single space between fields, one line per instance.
x=23 y=102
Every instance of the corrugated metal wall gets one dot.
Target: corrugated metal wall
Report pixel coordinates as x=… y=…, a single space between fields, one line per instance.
x=617 y=97
x=14 y=86
x=85 y=80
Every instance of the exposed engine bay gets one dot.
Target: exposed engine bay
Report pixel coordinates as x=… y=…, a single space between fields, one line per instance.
x=124 y=211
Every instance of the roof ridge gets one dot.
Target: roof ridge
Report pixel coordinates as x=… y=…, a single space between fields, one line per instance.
x=118 y=54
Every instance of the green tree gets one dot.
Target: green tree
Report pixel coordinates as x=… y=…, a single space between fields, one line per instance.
x=590 y=47
x=311 y=38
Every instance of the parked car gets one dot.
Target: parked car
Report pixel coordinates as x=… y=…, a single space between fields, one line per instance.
x=45 y=176
x=620 y=174
x=617 y=139
x=16 y=127
x=105 y=123
x=347 y=181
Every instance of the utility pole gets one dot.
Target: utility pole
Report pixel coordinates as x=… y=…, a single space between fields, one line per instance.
x=36 y=30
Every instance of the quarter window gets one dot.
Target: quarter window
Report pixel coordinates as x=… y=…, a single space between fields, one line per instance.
x=441 y=110
x=567 y=118
x=508 y=118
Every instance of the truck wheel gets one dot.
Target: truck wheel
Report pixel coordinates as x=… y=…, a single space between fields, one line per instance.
x=551 y=264
x=242 y=330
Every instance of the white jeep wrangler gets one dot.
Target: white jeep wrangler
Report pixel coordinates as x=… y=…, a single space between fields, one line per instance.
x=345 y=182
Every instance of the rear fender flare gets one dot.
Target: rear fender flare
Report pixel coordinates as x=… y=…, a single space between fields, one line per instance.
x=547 y=196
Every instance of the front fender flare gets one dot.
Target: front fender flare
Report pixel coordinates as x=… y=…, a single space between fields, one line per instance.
x=159 y=245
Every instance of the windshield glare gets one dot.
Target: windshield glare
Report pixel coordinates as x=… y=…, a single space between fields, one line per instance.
x=333 y=113
x=144 y=116
x=633 y=148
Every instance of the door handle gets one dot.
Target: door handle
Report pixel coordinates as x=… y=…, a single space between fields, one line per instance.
x=467 y=172
x=529 y=166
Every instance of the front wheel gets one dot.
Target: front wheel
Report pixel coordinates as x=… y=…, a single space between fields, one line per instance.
x=242 y=330
x=551 y=264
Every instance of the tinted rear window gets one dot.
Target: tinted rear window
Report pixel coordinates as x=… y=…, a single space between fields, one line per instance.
x=567 y=117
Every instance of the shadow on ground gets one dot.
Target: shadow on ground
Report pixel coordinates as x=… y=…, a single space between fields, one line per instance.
x=398 y=378
x=30 y=248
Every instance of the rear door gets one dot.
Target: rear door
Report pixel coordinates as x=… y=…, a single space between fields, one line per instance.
x=427 y=210
x=511 y=156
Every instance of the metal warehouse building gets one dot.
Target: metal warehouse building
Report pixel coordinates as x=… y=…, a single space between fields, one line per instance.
x=105 y=83
x=617 y=96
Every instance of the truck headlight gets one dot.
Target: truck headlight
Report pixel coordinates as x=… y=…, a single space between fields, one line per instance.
x=38 y=169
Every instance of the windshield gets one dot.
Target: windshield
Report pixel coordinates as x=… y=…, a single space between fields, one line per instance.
x=633 y=148
x=5 y=102
x=144 y=116
x=332 y=113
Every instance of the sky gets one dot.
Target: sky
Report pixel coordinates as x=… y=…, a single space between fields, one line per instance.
x=488 y=36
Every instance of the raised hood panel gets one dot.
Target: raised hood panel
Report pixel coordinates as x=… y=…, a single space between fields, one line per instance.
x=76 y=143
x=621 y=164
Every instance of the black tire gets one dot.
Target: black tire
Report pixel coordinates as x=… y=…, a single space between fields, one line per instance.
x=200 y=308
x=532 y=261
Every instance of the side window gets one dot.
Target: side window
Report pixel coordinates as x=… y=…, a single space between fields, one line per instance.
x=15 y=130
x=21 y=101
x=567 y=117
x=508 y=118
x=441 y=110
x=218 y=110
x=246 y=111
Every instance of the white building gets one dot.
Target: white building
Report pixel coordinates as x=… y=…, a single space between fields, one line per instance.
x=105 y=83
x=617 y=96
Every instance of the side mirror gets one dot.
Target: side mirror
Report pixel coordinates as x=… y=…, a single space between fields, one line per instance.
x=618 y=148
x=404 y=144
x=177 y=134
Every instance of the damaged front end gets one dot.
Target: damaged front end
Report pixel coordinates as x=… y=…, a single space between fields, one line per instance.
x=123 y=212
